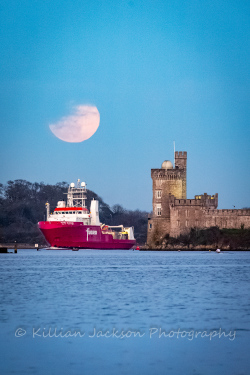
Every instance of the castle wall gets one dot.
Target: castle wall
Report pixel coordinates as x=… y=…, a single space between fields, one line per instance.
x=162 y=186
x=183 y=218
x=174 y=214
x=226 y=218
x=157 y=229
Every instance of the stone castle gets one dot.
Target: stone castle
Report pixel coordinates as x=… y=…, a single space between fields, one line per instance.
x=174 y=214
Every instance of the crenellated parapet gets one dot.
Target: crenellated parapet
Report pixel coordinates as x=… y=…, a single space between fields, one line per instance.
x=204 y=200
x=181 y=154
x=166 y=174
x=180 y=159
x=226 y=212
x=174 y=214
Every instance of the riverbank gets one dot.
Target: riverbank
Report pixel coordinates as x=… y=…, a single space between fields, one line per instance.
x=143 y=248
x=205 y=239
x=20 y=246
x=194 y=248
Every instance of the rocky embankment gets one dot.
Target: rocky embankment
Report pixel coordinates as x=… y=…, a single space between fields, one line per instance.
x=193 y=248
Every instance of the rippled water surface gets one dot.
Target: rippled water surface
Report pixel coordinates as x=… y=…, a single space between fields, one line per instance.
x=166 y=303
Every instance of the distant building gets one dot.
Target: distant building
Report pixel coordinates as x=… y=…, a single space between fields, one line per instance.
x=174 y=214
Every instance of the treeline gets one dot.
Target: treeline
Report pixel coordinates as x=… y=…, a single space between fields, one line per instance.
x=22 y=206
x=214 y=237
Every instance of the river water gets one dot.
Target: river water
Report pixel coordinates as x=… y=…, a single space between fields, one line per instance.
x=124 y=312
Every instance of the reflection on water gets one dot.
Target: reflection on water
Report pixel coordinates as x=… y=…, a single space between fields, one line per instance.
x=92 y=291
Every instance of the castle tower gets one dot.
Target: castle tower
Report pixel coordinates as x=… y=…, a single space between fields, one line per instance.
x=166 y=181
x=181 y=164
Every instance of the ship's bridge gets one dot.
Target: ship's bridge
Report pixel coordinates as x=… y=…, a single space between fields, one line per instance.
x=71 y=214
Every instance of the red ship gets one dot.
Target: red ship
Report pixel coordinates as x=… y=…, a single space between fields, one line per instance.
x=72 y=225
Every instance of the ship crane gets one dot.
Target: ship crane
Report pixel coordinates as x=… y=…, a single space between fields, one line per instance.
x=71 y=225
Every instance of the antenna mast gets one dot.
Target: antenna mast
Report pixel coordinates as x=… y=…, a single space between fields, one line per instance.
x=174 y=154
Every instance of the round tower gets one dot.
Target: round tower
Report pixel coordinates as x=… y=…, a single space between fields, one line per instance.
x=167 y=181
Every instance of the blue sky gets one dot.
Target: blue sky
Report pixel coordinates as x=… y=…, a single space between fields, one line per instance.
x=158 y=72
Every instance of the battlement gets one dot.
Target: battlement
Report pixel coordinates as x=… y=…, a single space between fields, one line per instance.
x=230 y=212
x=181 y=154
x=180 y=160
x=174 y=214
x=167 y=174
x=204 y=200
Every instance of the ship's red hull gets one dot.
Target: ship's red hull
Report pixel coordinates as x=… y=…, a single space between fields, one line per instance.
x=68 y=234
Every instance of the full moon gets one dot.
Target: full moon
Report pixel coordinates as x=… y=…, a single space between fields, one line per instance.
x=79 y=126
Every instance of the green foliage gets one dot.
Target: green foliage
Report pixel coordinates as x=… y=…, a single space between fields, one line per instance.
x=22 y=205
x=230 y=238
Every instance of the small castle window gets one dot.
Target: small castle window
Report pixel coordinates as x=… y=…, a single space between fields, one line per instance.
x=150 y=226
x=158 y=193
x=158 y=209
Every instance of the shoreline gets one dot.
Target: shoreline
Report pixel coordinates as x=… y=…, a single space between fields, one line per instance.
x=21 y=246
x=182 y=247
x=26 y=246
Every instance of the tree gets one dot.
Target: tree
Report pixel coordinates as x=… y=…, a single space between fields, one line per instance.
x=22 y=205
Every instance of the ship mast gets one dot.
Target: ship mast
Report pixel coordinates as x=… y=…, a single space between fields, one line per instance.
x=76 y=196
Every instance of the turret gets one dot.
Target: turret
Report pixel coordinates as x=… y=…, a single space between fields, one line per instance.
x=181 y=163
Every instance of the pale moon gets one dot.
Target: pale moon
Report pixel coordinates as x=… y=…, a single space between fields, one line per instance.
x=79 y=126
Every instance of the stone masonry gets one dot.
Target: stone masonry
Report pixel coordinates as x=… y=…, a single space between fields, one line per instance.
x=174 y=214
